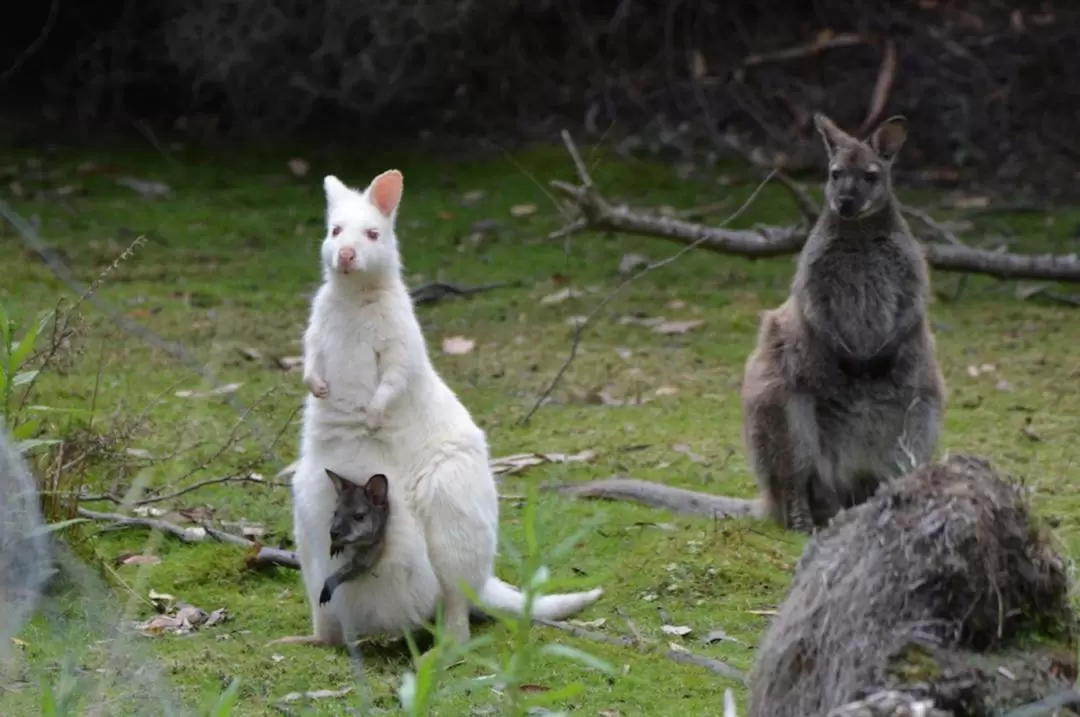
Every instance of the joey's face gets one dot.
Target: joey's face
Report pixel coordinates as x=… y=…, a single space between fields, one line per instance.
x=360 y=513
x=360 y=239
x=859 y=182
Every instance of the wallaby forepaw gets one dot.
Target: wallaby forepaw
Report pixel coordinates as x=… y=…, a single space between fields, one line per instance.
x=317 y=386
x=324 y=596
x=373 y=420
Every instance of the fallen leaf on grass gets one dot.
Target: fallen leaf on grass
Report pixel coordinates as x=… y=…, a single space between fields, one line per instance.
x=148 y=511
x=719 y=636
x=299 y=167
x=186 y=619
x=522 y=210
x=219 y=391
x=770 y=613
x=676 y=647
x=251 y=354
x=473 y=196
x=577 y=321
x=315 y=695
x=679 y=630
x=287 y=470
x=457 y=345
x=589 y=624
x=1029 y=432
x=677 y=327
x=684 y=449
x=138 y=453
x=632 y=262
x=970 y=202
x=290 y=363
x=146 y=188
x=666 y=391
x=519 y=462
x=527 y=687
x=641 y=320
x=976 y=371
x=136 y=559
x=561 y=296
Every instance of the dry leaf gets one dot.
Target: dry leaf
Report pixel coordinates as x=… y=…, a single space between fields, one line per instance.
x=1029 y=432
x=146 y=188
x=561 y=296
x=676 y=304
x=577 y=320
x=138 y=453
x=251 y=354
x=509 y=465
x=770 y=613
x=677 y=327
x=315 y=695
x=638 y=320
x=129 y=559
x=219 y=391
x=684 y=449
x=290 y=363
x=676 y=647
x=1003 y=385
x=678 y=630
x=473 y=196
x=631 y=262
x=287 y=470
x=457 y=345
x=666 y=391
x=589 y=624
x=522 y=210
x=148 y=511
x=299 y=167
x=971 y=202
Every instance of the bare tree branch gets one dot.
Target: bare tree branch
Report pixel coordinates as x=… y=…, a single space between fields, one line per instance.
x=600 y=215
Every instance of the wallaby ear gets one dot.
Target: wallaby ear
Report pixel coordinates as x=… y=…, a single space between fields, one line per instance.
x=377 y=488
x=340 y=483
x=335 y=189
x=832 y=135
x=385 y=191
x=889 y=137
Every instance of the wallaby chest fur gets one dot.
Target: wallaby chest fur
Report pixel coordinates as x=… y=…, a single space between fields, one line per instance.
x=842 y=390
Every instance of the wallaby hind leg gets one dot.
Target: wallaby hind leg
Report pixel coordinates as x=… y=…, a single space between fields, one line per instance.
x=780 y=455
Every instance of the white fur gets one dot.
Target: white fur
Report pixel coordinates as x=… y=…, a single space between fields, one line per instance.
x=729 y=703
x=384 y=409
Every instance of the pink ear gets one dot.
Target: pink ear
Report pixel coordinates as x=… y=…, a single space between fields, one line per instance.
x=385 y=191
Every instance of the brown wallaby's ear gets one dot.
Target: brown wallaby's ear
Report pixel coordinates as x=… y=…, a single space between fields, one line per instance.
x=340 y=484
x=889 y=137
x=376 y=489
x=832 y=135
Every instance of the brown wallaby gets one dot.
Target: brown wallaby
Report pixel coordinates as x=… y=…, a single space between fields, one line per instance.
x=843 y=390
x=358 y=525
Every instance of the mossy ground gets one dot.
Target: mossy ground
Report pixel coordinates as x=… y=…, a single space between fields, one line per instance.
x=229 y=263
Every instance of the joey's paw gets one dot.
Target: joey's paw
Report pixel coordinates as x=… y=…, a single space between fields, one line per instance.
x=324 y=596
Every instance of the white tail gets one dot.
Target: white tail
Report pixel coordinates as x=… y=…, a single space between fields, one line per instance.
x=729 y=703
x=501 y=596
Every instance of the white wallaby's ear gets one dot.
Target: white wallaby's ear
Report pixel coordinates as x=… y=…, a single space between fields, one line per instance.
x=831 y=135
x=385 y=191
x=335 y=189
x=376 y=489
x=889 y=137
x=729 y=703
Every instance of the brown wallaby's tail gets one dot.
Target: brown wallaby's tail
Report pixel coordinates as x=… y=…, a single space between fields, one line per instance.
x=658 y=495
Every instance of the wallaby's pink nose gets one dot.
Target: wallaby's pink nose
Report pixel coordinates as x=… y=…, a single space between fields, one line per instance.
x=347 y=258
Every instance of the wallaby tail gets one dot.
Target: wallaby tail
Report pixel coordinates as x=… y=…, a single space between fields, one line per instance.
x=729 y=703
x=502 y=596
x=658 y=495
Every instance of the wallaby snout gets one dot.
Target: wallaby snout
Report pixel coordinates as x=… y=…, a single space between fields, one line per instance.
x=846 y=205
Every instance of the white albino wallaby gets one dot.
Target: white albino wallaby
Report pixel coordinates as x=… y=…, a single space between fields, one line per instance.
x=376 y=405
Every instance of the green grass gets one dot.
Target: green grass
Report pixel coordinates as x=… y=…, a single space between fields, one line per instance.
x=228 y=265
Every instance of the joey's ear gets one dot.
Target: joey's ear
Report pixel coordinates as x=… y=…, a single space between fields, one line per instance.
x=335 y=189
x=376 y=489
x=832 y=135
x=340 y=484
x=385 y=191
x=889 y=137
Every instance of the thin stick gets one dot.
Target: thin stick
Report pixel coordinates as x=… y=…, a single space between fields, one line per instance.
x=580 y=330
x=682 y=657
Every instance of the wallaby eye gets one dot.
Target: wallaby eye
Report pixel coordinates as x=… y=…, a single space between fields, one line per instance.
x=335 y=230
x=359 y=516
x=372 y=234
x=872 y=176
x=835 y=174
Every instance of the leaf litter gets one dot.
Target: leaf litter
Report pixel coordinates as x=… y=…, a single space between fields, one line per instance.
x=178 y=617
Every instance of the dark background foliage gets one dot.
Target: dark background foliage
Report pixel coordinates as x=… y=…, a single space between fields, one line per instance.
x=991 y=84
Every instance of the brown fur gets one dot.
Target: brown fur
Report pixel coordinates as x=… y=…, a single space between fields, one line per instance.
x=932 y=588
x=843 y=391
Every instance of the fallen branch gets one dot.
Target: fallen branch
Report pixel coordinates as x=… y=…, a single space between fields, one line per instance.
x=587 y=183
x=435 y=291
x=598 y=214
x=682 y=656
x=264 y=557
x=658 y=495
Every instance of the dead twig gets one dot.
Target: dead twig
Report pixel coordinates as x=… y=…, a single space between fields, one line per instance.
x=264 y=556
x=820 y=44
x=882 y=87
x=435 y=291
x=587 y=191
x=680 y=656
x=248 y=478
